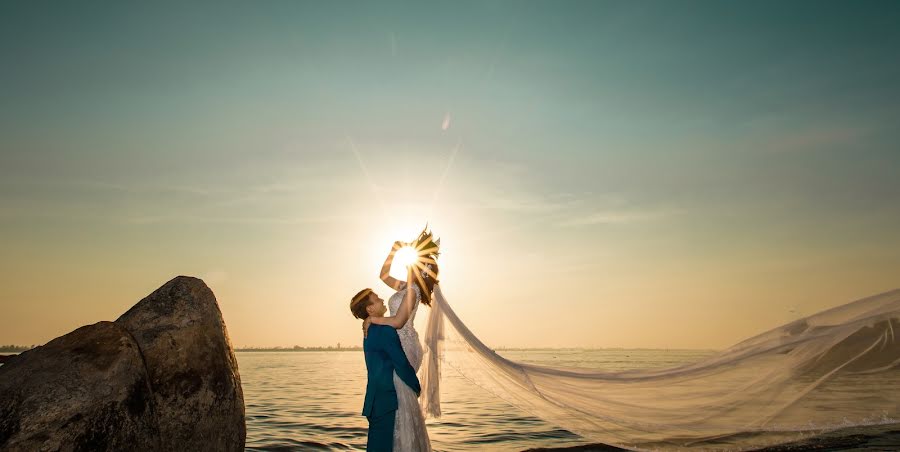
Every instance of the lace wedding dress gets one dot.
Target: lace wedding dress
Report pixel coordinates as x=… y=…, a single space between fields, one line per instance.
x=410 y=434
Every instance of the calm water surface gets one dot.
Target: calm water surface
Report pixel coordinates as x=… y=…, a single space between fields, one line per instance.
x=313 y=400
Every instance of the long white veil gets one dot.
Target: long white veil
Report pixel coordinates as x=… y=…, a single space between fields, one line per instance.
x=837 y=368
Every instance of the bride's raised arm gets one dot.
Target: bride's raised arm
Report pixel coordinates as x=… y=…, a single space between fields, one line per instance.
x=392 y=282
x=403 y=313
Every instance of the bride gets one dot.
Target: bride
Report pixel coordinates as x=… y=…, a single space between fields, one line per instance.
x=410 y=433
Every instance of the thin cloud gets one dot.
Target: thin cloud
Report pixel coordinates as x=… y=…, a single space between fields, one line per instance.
x=527 y=204
x=568 y=210
x=212 y=195
x=613 y=216
x=151 y=219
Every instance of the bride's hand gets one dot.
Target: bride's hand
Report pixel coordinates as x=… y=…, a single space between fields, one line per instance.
x=366 y=323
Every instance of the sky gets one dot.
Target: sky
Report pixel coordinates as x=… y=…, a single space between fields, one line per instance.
x=601 y=174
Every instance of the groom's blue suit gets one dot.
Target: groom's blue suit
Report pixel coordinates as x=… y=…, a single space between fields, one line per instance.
x=384 y=355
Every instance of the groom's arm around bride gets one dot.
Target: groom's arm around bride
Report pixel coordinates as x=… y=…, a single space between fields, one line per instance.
x=384 y=355
x=386 y=339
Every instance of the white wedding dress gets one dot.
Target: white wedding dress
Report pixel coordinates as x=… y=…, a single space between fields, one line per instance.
x=410 y=434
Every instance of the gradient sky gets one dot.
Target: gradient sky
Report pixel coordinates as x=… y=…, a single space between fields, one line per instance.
x=614 y=174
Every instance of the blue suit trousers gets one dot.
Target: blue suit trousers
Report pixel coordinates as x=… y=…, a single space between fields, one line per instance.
x=381 y=432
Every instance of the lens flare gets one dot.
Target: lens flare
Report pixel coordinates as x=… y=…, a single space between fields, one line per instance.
x=406 y=256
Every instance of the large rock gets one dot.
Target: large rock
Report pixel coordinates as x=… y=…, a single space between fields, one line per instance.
x=193 y=372
x=87 y=390
x=162 y=377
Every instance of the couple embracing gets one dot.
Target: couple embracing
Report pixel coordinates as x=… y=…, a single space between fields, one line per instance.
x=393 y=352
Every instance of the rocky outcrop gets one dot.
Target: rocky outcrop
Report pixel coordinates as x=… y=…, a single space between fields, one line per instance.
x=193 y=372
x=87 y=390
x=162 y=377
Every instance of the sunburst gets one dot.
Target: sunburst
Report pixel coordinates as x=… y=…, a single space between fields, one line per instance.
x=418 y=255
x=406 y=256
x=426 y=249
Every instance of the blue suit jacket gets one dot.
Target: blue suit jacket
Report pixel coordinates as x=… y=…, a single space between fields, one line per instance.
x=384 y=355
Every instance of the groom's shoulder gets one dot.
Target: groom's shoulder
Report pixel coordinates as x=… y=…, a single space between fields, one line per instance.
x=380 y=330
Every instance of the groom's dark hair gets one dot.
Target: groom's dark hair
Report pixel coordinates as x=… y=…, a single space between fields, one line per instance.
x=359 y=303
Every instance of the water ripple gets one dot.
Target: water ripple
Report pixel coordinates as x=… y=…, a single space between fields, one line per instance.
x=313 y=400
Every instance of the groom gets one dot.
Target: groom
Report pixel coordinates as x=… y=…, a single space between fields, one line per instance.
x=384 y=355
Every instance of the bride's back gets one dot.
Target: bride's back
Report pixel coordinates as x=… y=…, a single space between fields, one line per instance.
x=409 y=337
x=394 y=305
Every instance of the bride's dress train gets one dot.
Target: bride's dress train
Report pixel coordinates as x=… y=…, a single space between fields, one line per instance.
x=410 y=434
x=837 y=368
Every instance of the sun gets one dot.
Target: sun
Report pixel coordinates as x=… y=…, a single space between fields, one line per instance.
x=406 y=255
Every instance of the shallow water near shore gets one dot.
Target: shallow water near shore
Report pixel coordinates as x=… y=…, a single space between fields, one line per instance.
x=313 y=400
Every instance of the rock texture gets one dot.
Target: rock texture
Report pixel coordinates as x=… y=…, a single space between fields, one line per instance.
x=192 y=369
x=162 y=377
x=87 y=390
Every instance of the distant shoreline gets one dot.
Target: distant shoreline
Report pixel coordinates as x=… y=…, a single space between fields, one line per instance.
x=301 y=349
x=14 y=350
x=499 y=349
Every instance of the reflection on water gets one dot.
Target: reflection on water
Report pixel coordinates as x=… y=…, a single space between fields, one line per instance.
x=313 y=400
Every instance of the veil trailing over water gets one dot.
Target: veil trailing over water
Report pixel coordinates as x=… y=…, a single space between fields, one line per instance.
x=834 y=369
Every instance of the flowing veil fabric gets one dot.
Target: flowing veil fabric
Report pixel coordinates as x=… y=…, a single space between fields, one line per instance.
x=430 y=373
x=837 y=368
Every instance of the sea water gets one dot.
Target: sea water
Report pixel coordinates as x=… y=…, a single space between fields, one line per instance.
x=313 y=400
